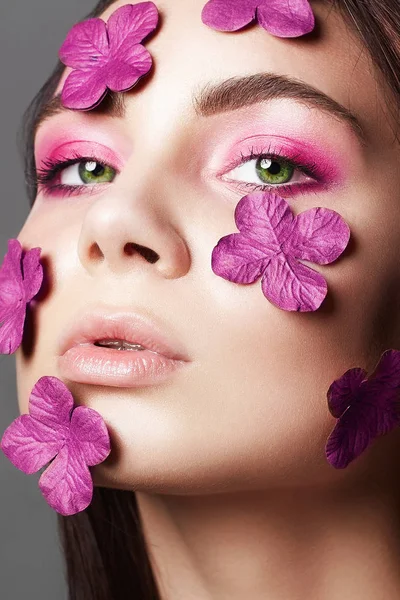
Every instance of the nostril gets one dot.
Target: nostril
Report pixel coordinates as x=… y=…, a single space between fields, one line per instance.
x=147 y=253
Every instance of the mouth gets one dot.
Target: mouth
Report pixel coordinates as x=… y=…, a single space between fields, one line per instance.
x=118 y=345
x=145 y=356
x=102 y=365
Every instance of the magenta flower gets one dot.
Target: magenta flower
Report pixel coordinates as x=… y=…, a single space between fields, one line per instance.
x=75 y=439
x=365 y=408
x=107 y=56
x=21 y=276
x=270 y=241
x=282 y=18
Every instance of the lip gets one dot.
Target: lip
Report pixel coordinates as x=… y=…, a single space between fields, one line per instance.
x=80 y=360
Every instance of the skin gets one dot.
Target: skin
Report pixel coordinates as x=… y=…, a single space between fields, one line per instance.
x=227 y=457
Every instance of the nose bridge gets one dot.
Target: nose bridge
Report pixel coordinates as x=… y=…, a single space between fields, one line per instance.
x=132 y=224
x=137 y=220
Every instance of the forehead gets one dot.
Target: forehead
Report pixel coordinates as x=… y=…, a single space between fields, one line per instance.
x=187 y=55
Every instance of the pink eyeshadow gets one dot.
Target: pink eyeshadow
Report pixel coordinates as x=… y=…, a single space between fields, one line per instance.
x=326 y=167
x=70 y=149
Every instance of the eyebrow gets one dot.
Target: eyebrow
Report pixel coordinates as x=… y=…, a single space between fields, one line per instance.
x=239 y=92
x=229 y=95
x=112 y=105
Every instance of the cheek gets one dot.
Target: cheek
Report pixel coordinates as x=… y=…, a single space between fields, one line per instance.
x=256 y=410
x=253 y=410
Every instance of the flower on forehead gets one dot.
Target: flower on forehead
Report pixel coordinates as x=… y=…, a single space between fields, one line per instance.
x=107 y=55
x=21 y=276
x=75 y=438
x=365 y=408
x=282 y=18
x=270 y=242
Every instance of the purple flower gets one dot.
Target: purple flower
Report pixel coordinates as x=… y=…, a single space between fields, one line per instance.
x=282 y=18
x=21 y=276
x=107 y=56
x=75 y=439
x=365 y=408
x=270 y=241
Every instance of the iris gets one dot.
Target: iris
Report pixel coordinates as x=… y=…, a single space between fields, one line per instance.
x=94 y=172
x=273 y=171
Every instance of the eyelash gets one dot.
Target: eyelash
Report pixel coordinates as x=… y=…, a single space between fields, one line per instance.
x=311 y=169
x=46 y=175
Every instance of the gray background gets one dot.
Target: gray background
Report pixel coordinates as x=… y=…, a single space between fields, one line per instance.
x=31 y=32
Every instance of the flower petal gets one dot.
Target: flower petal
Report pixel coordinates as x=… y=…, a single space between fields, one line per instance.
x=291 y=285
x=383 y=389
x=12 y=291
x=133 y=21
x=319 y=235
x=286 y=18
x=239 y=259
x=86 y=45
x=67 y=483
x=374 y=410
x=21 y=276
x=51 y=403
x=360 y=424
x=122 y=74
x=345 y=390
x=30 y=444
x=387 y=371
x=32 y=273
x=83 y=90
x=12 y=328
x=265 y=217
x=228 y=15
x=90 y=434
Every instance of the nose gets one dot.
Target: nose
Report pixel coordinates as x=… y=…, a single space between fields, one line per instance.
x=123 y=230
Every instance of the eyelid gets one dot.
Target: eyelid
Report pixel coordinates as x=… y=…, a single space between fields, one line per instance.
x=319 y=165
x=52 y=169
x=310 y=170
x=255 y=156
x=84 y=148
x=49 y=184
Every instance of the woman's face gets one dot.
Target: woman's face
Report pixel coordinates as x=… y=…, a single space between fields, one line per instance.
x=249 y=409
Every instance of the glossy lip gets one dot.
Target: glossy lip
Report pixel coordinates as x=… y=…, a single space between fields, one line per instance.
x=120 y=368
x=81 y=361
x=136 y=328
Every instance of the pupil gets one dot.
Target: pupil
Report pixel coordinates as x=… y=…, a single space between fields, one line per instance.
x=274 y=168
x=94 y=168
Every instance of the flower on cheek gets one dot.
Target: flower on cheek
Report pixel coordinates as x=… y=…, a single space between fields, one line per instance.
x=270 y=241
x=365 y=408
x=282 y=18
x=107 y=56
x=21 y=276
x=75 y=438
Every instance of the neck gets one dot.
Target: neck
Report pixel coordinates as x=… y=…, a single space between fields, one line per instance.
x=303 y=544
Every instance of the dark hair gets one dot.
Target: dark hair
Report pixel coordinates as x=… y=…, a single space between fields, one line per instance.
x=104 y=546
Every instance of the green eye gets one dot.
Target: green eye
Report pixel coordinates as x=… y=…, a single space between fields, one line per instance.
x=95 y=172
x=271 y=170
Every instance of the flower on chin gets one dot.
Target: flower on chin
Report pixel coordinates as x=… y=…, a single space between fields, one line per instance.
x=21 y=276
x=107 y=55
x=270 y=242
x=365 y=408
x=281 y=18
x=72 y=438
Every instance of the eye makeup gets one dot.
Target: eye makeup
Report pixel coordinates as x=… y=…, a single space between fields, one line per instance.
x=50 y=168
x=319 y=171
